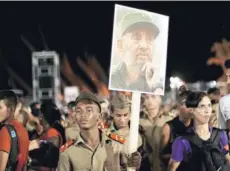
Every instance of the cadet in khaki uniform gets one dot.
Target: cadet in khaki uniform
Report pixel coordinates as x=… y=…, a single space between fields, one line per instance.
x=93 y=150
x=152 y=128
x=121 y=112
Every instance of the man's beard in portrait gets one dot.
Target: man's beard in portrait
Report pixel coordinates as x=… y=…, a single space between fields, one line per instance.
x=137 y=65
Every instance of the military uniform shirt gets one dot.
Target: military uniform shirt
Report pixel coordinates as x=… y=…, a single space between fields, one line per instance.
x=119 y=81
x=80 y=157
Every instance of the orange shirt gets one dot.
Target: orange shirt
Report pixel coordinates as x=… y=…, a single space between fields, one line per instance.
x=51 y=133
x=23 y=142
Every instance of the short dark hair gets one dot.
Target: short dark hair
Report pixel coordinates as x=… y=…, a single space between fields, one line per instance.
x=9 y=98
x=34 y=104
x=214 y=90
x=35 y=112
x=194 y=98
x=53 y=117
x=71 y=104
x=50 y=112
x=183 y=95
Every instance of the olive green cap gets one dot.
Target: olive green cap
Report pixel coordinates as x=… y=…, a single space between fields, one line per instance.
x=120 y=101
x=88 y=96
x=133 y=20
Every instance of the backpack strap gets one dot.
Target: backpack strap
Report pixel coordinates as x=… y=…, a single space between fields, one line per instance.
x=215 y=136
x=12 y=161
x=194 y=139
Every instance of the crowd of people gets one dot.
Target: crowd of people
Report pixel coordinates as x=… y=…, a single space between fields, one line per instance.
x=92 y=136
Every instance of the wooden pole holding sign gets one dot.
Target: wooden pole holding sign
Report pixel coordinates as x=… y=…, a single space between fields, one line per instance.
x=134 y=124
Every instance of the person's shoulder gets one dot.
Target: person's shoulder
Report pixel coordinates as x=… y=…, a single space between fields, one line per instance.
x=181 y=143
x=52 y=131
x=181 y=140
x=168 y=117
x=110 y=137
x=166 y=127
x=19 y=128
x=225 y=99
x=104 y=126
x=180 y=147
x=67 y=147
x=145 y=122
x=172 y=121
x=73 y=128
x=222 y=133
x=17 y=125
x=226 y=96
x=4 y=131
x=65 y=154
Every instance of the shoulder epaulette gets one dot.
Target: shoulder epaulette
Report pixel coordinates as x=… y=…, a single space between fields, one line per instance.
x=106 y=126
x=103 y=126
x=113 y=136
x=117 y=138
x=66 y=145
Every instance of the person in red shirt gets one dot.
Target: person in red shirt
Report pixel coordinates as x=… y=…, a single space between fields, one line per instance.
x=8 y=102
x=45 y=151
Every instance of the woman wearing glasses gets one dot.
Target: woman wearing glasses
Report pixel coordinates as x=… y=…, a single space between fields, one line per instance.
x=201 y=148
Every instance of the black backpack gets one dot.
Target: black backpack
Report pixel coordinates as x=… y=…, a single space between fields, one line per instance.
x=12 y=160
x=207 y=154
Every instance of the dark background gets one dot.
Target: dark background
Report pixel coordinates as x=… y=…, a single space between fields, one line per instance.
x=76 y=27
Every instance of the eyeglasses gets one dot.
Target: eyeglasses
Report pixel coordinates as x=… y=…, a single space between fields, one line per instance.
x=203 y=107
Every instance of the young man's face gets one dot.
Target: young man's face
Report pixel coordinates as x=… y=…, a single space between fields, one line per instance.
x=4 y=111
x=137 y=47
x=87 y=115
x=121 y=117
x=152 y=102
x=71 y=112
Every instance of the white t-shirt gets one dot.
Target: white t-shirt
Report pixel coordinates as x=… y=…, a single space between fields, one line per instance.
x=224 y=111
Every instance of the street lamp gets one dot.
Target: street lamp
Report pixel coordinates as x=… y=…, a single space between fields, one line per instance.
x=175 y=83
x=212 y=84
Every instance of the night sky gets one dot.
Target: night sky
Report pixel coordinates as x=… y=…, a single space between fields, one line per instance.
x=75 y=27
